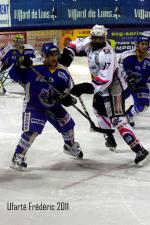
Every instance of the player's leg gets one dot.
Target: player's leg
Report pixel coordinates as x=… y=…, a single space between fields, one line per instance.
x=32 y=124
x=141 y=103
x=64 y=124
x=103 y=120
x=115 y=109
x=19 y=158
x=2 y=89
x=130 y=138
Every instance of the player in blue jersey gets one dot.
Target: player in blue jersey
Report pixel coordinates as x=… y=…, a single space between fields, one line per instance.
x=11 y=52
x=46 y=90
x=136 y=64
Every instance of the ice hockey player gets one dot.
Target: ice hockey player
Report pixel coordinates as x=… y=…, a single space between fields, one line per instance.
x=106 y=82
x=46 y=90
x=136 y=64
x=9 y=54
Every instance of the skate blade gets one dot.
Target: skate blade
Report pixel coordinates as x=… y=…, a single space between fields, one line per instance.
x=112 y=149
x=11 y=95
x=73 y=156
x=143 y=162
x=16 y=167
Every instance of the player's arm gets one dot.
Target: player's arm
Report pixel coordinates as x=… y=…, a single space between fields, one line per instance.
x=64 y=81
x=131 y=76
x=20 y=68
x=29 y=51
x=102 y=80
x=5 y=58
x=74 y=48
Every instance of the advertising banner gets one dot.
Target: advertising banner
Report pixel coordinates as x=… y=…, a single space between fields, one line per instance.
x=79 y=12
x=121 y=39
x=5 y=13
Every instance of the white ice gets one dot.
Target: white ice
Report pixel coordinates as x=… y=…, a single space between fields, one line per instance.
x=104 y=188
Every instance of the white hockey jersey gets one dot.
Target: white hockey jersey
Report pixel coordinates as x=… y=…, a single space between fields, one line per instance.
x=103 y=64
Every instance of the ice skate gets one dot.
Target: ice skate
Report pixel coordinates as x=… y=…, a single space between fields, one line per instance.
x=130 y=120
x=110 y=142
x=3 y=91
x=141 y=157
x=74 y=150
x=18 y=162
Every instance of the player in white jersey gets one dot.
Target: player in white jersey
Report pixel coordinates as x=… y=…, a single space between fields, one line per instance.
x=106 y=81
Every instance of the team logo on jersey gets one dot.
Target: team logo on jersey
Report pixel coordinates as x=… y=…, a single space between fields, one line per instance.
x=137 y=67
x=107 y=51
x=45 y=97
x=50 y=80
x=145 y=64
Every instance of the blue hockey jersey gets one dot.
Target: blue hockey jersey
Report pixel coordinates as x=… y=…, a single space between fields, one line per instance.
x=10 y=53
x=139 y=69
x=40 y=86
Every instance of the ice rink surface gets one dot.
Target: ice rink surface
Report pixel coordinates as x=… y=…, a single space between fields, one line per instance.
x=104 y=188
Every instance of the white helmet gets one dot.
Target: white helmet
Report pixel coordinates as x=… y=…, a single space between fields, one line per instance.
x=99 y=31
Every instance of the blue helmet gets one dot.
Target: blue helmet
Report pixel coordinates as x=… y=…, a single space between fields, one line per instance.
x=48 y=48
x=142 y=38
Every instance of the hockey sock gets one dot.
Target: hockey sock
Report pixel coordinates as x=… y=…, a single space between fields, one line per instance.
x=25 y=142
x=134 y=110
x=68 y=137
x=130 y=138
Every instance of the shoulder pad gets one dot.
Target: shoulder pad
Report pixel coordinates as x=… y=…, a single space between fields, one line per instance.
x=37 y=61
x=109 y=47
x=5 y=50
x=28 y=46
x=63 y=68
x=86 y=41
x=128 y=53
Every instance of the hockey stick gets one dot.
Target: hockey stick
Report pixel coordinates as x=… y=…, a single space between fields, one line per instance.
x=86 y=115
x=107 y=131
x=81 y=101
x=95 y=128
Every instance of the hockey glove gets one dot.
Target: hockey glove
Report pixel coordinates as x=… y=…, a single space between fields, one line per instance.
x=5 y=65
x=66 y=57
x=132 y=84
x=24 y=62
x=82 y=88
x=67 y=100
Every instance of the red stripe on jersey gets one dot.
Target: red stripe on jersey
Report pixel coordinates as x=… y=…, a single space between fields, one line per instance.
x=71 y=45
x=98 y=79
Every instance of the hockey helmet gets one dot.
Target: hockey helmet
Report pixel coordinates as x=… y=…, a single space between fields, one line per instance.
x=19 y=38
x=142 y=38
x=19 y=41
x=49 y=48
x=99 y=31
